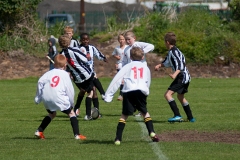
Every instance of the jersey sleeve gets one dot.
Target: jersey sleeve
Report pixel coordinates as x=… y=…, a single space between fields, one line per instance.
x=114 y=85
x=39 y=92
x=146 y=47
x=98 y=54
x=69 y=89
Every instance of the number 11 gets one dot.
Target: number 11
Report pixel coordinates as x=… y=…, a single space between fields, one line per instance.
x=135 y=72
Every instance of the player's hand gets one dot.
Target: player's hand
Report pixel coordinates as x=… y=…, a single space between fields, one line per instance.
x=88 y=56
x=105 y=60
x=157 y=67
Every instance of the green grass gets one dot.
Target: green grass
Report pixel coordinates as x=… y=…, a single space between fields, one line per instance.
x=214 y=102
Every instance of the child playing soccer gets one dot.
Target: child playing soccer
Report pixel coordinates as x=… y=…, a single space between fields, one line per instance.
x=80 y=70
x=181 y=76
x=131 y=41
x=137 y=78
x=52 y=51
x=56 y=91
x=91 y=52
x=118 y=54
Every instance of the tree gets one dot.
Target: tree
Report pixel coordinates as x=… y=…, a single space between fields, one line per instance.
x=235 y=7
x=12 y=11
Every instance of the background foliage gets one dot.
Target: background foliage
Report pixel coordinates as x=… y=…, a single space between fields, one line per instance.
x=202 y=36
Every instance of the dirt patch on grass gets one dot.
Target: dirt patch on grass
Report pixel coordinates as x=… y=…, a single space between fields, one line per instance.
x=196 y=136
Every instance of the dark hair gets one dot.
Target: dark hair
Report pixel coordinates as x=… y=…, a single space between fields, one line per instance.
x=171 y=38
x=84 y=34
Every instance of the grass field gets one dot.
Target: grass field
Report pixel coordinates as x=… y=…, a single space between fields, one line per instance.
x=214 y=102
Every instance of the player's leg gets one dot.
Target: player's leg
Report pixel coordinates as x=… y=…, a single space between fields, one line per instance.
x=79 y=101
x=74 y=123
x=45 y=122
x=186 y=107
x=99 y=86
x=95 y=100
x=172 y=103
x=120 y=128
x=140 y=101
x=127 y=109
x=88 y=103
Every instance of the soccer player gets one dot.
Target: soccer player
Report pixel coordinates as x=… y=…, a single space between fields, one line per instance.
x=131 y=41
x=137 y=78
x=176 y=60
x=52 y=51
x=91 y=52
x=77 y=64
x=118 y=53
x=56 y=91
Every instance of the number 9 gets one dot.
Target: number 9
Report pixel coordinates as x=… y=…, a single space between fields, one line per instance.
x=55 y=81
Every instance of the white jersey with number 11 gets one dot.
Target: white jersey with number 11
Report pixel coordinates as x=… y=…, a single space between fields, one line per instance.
x=135 y=75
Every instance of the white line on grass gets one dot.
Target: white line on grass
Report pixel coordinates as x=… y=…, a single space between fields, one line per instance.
x=154 y=146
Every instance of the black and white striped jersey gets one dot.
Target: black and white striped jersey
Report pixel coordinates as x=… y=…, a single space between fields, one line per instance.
x=176 y=60
x=77 y=64
x=74 y=43
x=93 y=51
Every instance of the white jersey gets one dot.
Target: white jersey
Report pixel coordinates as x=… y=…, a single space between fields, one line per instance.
x=135 y=75
x=55 y=90
x=146 y=47
x=118 y=51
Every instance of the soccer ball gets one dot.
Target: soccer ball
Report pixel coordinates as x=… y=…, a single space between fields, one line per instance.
x=94 y=113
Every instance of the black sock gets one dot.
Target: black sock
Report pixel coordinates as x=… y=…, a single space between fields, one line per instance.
x=98 y=85
x=78 y=103
x=174 y=108
x=75 y=127
x=149 y=124
x=95 y=103
x=121 y=87
x=188 y=111
x=88 y=106
x=120 y=128
x=44 y=124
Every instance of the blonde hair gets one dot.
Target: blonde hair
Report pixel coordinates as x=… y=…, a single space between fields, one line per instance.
x=129 y=33
x=136 y=54
x=64 y=41
x=68 y=29
x=60 y=61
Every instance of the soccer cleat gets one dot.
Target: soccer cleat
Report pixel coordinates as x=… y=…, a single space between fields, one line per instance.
x=117 y=142
x=192 y=120
x=100 y=116
x=175 y=119
x=88 y=118
x=81 y=137
x=77 y=112
x=39 y=135
x=120 y=98
x=154 y=137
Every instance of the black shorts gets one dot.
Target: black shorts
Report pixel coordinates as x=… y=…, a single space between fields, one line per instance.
x=64 y=111
x=178 y=86
x=134 y=100
x=87 y=85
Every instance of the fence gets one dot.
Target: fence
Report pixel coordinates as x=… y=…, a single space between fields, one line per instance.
x=97 y=20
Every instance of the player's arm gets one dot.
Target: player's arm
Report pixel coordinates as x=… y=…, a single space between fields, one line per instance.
x=174 y=75
x=40 y=86
x=69 y=89
x=99 y=54
x=146 y=47
x=115 y=84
